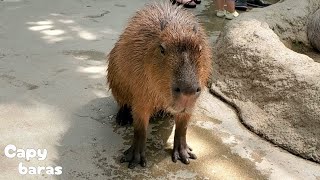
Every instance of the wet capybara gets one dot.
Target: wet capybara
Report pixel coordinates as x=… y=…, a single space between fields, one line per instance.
x=162 y=61
x=313 y=30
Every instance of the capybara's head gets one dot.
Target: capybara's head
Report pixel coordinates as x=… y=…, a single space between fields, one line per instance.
x=181 y=58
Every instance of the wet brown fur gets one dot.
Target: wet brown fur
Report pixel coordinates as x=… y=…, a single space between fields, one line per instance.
x=133 y=77
x=139 y=76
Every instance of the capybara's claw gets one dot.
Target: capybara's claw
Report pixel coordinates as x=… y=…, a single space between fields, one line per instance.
x=134 y=158
x=183 y=154
x=175 y=156
x=133 y=164
x=143 y=161
x=185 y=160
x=192 y=155
x=123 y=159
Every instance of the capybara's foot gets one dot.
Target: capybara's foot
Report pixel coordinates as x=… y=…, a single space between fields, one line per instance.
x=134 y=157
x=124 y=116
x=182 y=153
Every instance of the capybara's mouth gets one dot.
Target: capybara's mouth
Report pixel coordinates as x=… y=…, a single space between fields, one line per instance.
x=183 y=103
x=181 y=107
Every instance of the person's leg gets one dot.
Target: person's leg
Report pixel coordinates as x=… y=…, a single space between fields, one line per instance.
x=230 y=6
x=220 y=7
x=231 y=12
x=220 y=4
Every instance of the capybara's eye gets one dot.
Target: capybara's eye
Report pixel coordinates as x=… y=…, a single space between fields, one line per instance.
x=177 y=90
x=162 y=49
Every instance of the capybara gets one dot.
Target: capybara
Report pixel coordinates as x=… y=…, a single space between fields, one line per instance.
x=313 y=30
x=161 y=62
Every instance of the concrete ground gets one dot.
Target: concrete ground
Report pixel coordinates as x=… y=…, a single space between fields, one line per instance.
x=53 y=96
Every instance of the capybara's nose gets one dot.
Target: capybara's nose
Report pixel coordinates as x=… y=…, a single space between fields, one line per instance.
x=186 y=89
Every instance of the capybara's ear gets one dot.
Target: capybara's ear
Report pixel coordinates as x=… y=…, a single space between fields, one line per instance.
x=163 y=48
x=163 y=24
x=200 y=48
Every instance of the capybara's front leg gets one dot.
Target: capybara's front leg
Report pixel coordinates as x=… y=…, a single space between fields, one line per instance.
x=181 y=150
x=124 y=116
x=136 y=153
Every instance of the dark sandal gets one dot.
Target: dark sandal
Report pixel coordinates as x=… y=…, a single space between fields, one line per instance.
x=197 y=1
x=189 y=4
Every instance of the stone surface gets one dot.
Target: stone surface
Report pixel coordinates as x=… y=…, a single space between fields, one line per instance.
x=313 y=29
x=276 y=89
x=287 y=18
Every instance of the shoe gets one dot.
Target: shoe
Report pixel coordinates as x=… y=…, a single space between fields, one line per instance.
x=197 y=1
x=241 y=5
x=221 y=13
x=258 y=3
x=231 y=16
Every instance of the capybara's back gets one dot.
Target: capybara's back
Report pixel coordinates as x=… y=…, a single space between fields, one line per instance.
x=162 y=61
x=313 y=30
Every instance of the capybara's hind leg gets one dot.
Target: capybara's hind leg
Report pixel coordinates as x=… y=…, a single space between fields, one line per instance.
x=181 y=150
x=136 y=153
x=124 y=115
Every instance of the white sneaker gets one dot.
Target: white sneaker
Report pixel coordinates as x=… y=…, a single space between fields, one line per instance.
x=230 y=15
x=221 y=13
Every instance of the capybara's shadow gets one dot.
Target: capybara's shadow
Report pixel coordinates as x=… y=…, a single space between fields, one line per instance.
x=108 y=140
x=160 y=128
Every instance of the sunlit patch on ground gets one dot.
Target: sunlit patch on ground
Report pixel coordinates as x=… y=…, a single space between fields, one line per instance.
x=58 y=29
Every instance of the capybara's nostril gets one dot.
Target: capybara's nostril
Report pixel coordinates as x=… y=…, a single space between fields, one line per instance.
x=176 y=90
x=198 y=89
x=187 y=89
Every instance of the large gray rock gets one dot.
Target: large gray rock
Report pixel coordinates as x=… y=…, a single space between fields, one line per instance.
x=275 y=90
x=313 y=30
x=288 y=18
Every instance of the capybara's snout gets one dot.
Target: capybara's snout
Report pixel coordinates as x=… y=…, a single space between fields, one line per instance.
x=185 y=88
x=185 y=95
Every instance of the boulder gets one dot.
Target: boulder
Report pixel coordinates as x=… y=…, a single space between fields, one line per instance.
x=313 y=30
x=275 y=90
